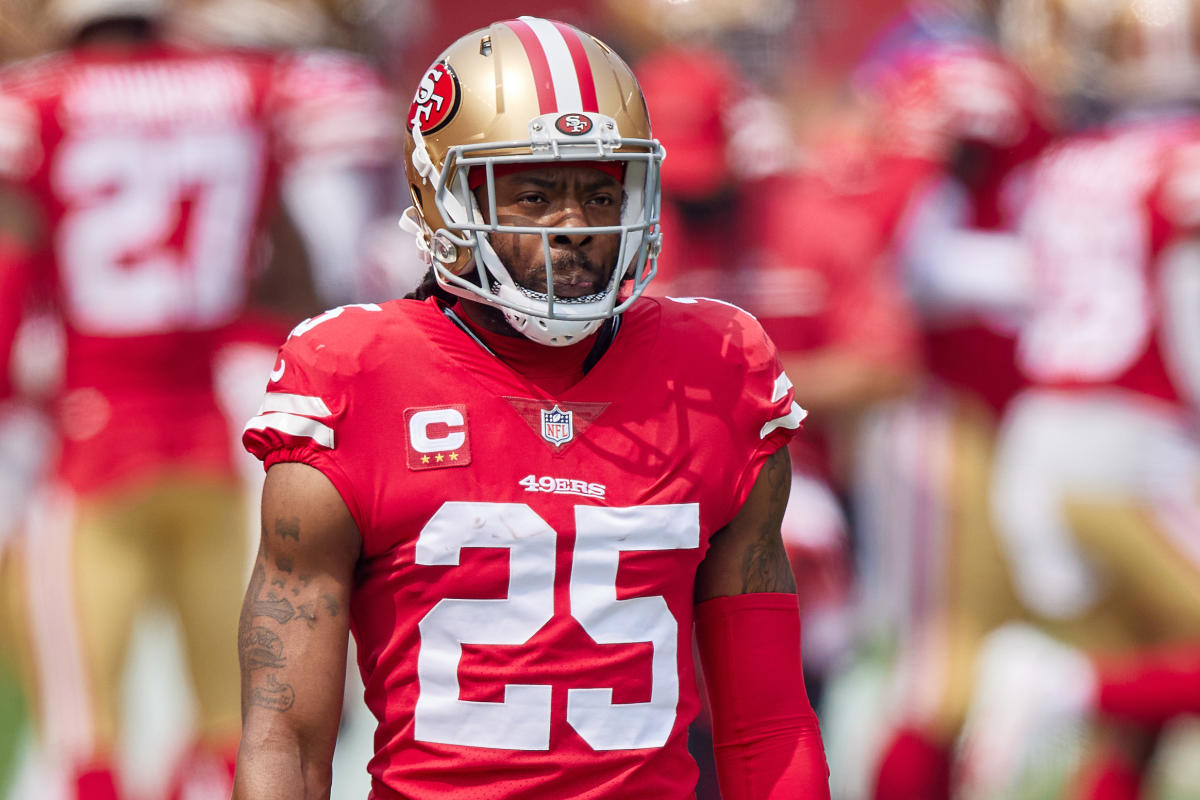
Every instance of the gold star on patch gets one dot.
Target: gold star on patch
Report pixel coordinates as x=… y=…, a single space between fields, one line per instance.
x=454 y=456
x=439 y=458
x=424 y=459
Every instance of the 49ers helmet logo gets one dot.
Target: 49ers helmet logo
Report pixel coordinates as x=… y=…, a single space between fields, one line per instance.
x=436 y=100
x=573 y=124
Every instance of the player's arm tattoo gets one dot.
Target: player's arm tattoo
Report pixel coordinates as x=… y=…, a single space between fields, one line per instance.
x=288 y=528
x=260 y=647
x=268 y=617
x=765 y=566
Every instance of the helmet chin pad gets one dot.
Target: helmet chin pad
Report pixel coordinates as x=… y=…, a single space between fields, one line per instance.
x=573 y=322
x=552 y=332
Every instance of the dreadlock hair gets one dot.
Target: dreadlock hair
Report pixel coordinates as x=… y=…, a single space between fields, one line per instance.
x=429 y=287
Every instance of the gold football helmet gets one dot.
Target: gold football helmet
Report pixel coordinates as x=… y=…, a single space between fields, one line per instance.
x=528 y=91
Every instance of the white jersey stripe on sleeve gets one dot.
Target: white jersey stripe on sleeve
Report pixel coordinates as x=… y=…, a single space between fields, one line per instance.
x=293 y=425
x=782 y=384
x=562 y=67
x=294 y=404
x=791 y=420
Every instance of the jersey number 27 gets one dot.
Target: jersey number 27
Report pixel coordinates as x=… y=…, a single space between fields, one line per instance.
x=157 y=228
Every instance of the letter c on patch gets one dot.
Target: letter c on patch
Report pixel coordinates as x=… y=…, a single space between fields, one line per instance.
x=418 y=430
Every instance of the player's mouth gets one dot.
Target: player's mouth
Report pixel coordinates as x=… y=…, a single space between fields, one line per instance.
x=565 y=295
x=575 y=289
x=588 y=291
x=577 y=279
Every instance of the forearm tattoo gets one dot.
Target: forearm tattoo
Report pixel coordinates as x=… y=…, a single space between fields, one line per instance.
x=268 y=607
x=765 y=566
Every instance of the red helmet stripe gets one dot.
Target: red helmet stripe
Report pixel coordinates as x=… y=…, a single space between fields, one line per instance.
x=542 y=78
x=583 y=67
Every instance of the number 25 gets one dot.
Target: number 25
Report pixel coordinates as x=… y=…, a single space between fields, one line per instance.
x=522 y=720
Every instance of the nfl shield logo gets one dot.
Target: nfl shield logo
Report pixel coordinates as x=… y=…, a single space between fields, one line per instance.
x=558 y=427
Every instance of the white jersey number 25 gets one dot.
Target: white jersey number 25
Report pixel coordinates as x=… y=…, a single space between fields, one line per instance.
x=522 y=720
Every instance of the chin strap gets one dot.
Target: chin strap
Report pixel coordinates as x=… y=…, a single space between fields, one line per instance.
x=465 y=328
x=411 y=223
x=604 y=339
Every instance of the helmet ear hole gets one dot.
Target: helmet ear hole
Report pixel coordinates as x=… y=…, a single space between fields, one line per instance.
x=415 y=191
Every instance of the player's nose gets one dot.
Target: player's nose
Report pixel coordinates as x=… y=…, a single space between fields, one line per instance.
x=572 y=217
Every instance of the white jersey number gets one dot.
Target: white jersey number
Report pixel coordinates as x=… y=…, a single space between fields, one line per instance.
x=157 y=228
x=522 y=720
x=1091 y=241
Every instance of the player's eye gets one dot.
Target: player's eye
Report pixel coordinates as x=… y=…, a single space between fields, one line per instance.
x=604 y=200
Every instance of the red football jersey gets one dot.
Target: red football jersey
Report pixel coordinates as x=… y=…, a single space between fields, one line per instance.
x=523 y=607
x=1104 y=208
x=153 y=168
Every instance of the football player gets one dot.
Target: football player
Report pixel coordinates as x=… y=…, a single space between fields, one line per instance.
x=950 y=122
x=1098 y=462
x=521 y=487
x=137 y=177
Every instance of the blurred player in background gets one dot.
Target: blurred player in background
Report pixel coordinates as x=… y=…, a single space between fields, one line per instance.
x=1098 y=471
x=480 y=573
x=334 y=200
x=138 y=176
x=726 y=133
x=938 y=130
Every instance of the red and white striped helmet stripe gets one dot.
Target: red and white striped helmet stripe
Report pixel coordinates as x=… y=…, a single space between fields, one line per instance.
x=561 y=70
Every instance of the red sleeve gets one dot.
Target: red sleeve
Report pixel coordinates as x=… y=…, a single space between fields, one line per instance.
x=768 y=415
x=302 y=416
x=1151 y=687
x=765 y=733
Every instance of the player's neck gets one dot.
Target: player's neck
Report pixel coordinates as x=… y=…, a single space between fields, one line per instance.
x=488 y=318
x=554 y=369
